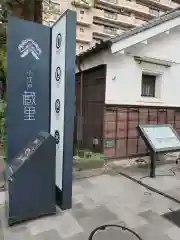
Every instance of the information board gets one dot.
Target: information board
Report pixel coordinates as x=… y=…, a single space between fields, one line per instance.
x=161 y=138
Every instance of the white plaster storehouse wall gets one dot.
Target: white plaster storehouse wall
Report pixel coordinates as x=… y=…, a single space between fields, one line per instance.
x=123 y=80
x=165 y=46
x=94 y=60
x=146 y=34
x=126 y=88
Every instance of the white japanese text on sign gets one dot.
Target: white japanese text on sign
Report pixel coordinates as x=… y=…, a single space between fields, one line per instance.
x=29 y=99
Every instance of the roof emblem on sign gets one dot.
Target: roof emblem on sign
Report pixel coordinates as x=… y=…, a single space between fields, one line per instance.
x=29 y=46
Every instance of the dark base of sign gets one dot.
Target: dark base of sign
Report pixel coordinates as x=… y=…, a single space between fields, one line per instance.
x=61 y=201
x=14 y=221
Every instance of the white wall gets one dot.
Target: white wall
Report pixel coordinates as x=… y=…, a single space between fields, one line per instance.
x=95 y=60
x=123 y=82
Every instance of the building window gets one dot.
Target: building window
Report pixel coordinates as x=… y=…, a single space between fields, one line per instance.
x=81 y=12
x=154 y=11
x=81 y=29
x=112 y=1
x=97 y=40
x=110 y=30
x=56 y=7
x=110 y=15
x=125 y=13
x=148 y=85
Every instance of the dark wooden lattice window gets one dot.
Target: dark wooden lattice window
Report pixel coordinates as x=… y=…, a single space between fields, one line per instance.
x=148 y=85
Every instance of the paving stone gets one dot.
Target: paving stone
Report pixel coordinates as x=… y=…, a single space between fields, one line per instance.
x=149 y=232
x=79 y=213
x=48 y=235
x=97 y=201
x=158 y=204
x=41 y=225
x=126 y=215
x=59 y=212
x=19 y=231
x=77 y=206
x=17 y=236
x=89 y=204
x=2 y=198
x=89 y=223
x=97 y=194
x=80 y=236
x=67 y=225
x=174 y=192
x=86 y=184
x=99 y=179
x=162 y=183
x=77 y=188
x=105 y=235
x=115 y=234
x=16 y=233
x=98 y=219
x=86 y=203
x=18 y=228
x=174 y=233
x=2 y=216
x=158 y=221
x=1 y=232
x=172 y=206
x=78 y=198
x=102 y=212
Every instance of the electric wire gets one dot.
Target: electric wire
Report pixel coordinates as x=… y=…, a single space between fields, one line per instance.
x=162 y=175
x=172 y=170
x=104 y=227
x=152 y=189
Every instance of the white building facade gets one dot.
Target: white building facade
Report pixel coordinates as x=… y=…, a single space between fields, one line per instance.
x=142 y=71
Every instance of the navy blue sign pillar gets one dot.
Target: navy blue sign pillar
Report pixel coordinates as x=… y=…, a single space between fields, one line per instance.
x=28 y=85
x=41 y=91
x=63 y=40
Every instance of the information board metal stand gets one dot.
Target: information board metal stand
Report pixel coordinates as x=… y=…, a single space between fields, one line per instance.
x=153 y=156
x=159 y=138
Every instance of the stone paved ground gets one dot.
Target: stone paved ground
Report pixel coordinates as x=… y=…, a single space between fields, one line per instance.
x=166 y=181
x=100 y=200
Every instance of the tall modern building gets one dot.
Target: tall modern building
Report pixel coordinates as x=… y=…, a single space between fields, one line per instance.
x=99 y=20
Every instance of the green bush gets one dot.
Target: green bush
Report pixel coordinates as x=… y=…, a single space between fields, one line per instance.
x=3 y=59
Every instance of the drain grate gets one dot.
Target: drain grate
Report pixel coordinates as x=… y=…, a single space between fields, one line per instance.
x=173 y=217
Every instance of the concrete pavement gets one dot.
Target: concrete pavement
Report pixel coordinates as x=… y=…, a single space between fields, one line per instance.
x=101 y=200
